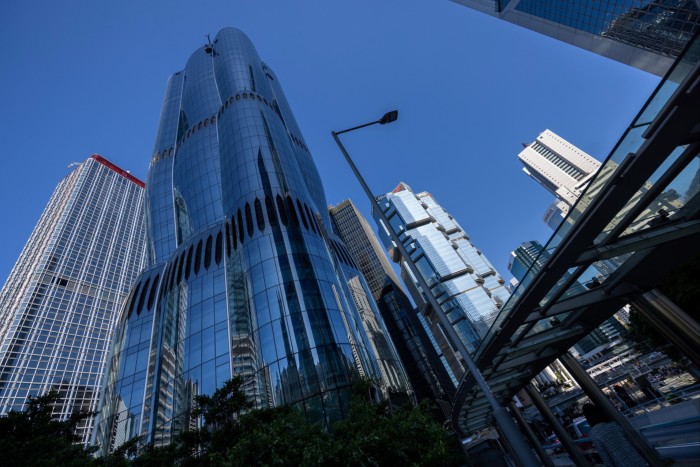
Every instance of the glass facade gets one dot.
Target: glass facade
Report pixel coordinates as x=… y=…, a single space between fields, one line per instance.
x=423 y=367
x=466 y=285
x=245 y=275
x=648 y=34
x=532 y=255
x=59 y=306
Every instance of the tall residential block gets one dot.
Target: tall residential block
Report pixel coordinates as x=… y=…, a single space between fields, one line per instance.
x=246 y=276
x=647 y=34
x=59 y=306
x=423 y=367
x=466 y=285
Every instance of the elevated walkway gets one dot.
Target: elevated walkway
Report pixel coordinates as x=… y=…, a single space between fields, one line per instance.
x=638 y=219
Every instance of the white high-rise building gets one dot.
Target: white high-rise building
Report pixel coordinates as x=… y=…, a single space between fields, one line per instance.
x=561 y=168
x=59 y=306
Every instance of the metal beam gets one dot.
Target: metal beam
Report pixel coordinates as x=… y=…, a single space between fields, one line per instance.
x=601 y=400
x=671 y=322
x=534 y=441
x=564 y=438
x=640 y=241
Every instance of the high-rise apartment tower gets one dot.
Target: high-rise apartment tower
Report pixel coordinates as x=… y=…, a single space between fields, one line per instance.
x=59 y=305
x=647 y=34
x=246 y=276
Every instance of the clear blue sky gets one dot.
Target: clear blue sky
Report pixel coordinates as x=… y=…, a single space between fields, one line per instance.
x=86 y=77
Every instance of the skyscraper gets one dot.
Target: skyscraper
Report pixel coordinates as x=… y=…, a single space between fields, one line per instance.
x=466 y=285
x=425 y=371
x=647 y=34
x=59 y=305
x=561 y=168
x=246 y=276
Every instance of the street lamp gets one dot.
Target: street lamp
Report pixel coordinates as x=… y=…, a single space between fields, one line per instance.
x=500 y=414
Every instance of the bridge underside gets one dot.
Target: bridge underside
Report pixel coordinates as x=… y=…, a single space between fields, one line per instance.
x=637 y=221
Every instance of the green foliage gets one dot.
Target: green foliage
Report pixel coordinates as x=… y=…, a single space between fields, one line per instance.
x=236 y=435
x=33 y=438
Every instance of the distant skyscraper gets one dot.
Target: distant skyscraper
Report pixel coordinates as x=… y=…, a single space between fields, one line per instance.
x=421 y=361
x=523 y=258
x=246 y=276
x=59 y=305
x=469 y=289
x=561 y=168
x=647 y=34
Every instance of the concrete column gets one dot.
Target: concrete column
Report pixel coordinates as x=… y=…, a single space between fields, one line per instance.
x=671 y=322
x=531 y=436
x=574 y=452
x=599 y=398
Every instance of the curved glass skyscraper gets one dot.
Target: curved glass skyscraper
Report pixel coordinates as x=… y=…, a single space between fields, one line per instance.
x=246 y=277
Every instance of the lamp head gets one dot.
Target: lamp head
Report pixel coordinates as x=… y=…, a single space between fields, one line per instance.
x=389 y=117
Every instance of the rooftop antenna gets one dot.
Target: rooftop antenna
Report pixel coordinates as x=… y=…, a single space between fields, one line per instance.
x=209 y=47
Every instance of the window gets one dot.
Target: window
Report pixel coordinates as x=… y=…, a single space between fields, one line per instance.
x=249 y=220
x=219 y=248
x=171 y=278
x=233 y=234
x=164 y=287
x=271 y=214
x=240 y=227
x=259 y=215
x=143 y=296
x=301 y=214
x=180 y=264
x=292 y=211
x=198 y=258
x=207 y=254
x=311 y=219
x=228 y=238
x=282 y=211
x=133 y=298
x=152 y=296
x=189 y=262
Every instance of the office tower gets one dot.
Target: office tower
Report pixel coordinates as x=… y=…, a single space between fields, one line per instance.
x=466 y=285
x=245 y=275
x=59 y=305
x=523 y=258
x=561 y=168
x=425 y=371
x=647 y=34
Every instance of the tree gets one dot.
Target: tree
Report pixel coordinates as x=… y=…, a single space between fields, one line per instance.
x=236 y=434
x=34 y=438
x=372 y=435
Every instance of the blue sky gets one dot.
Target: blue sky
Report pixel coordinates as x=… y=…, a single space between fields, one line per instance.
x=86 y=77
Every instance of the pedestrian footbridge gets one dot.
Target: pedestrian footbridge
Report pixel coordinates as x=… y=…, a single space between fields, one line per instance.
x=638 y=219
